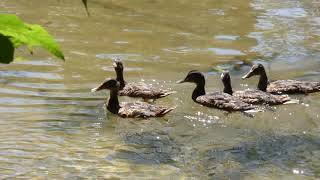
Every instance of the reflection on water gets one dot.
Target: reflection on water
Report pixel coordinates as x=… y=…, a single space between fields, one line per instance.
x=52 y=126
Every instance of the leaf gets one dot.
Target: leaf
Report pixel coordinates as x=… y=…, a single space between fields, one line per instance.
x=6 y=50
x=86 y=6
x=20 y=33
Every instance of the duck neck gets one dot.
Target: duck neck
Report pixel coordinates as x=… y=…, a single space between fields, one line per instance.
x=120 y=78
x=263 y=81
x=199 y=90
x=227 y=87
x=113 y=104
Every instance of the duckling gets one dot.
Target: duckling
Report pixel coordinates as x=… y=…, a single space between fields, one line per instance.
x=281 y=86
x=130 y=110
x=137 y=89
x=218 y=100
x=253 y=96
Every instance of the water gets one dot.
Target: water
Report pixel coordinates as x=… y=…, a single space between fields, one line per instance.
x=52 y=126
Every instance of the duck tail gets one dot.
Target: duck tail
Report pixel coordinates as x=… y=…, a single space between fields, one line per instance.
x=166 y=111
x=167 y=93
x=292 y=101
x=251 y=113
x=254 y=109
x=285 y=98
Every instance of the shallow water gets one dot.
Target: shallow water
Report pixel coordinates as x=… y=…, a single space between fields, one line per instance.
x=52 y=126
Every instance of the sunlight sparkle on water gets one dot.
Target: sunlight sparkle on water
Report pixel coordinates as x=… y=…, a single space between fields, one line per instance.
x=297 y=171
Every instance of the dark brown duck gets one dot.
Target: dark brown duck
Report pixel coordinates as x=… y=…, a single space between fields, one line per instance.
x=219 y=100
x=281 y=86
x=137 y=89
x=130 y=110
x=252 y=96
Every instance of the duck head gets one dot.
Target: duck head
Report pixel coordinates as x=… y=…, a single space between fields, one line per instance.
x=226 y=80
x=118 y=67
x=196 y=77
x=225 y=76
x=256 y=69
x=117 y=64
x=109 y=84
x=193 y=76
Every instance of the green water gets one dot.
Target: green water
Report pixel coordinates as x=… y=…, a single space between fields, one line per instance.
x=52 y=127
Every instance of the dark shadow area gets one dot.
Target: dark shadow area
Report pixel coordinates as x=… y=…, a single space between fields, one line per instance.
x=285 y=152
x=6 y=50
x=148 y=148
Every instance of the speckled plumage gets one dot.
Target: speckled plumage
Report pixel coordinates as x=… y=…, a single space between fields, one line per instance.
x=142 y=110
x=219 y=100
x=252 y=96
x=143 y=90
x=293 y=86
x=224 y=101
x=281 y=86
x=137 y=89
x=132 y=109
x=260 y=97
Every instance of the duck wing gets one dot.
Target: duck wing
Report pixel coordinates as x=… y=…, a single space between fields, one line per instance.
x=260 y=97
x=143 y=90
x=293 y=86
x=224 y=101
x=142 y=110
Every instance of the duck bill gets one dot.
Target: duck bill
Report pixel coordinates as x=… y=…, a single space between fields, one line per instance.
x=180 y=81
x=98 y=88
x=224 y=75
x=248 y=75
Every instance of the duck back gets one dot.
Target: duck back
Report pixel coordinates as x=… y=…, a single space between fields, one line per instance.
x=143 y=90
x=261 y=97
x=293 y=86
x=224 y=101
x=142 y=110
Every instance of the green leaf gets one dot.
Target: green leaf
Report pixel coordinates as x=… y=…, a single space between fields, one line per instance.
x=20 y=33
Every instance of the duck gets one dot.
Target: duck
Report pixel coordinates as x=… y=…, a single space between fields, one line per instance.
x=253 y=96
x=135 y=89
x=219 y=100
x=130 y=109
x=281 y=86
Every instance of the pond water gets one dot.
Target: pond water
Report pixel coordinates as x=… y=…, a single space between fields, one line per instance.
x=52 y=126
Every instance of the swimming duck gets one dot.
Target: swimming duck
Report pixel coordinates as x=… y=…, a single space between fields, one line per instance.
x=137 y=89
x=253 y=96
x=130 y=110
x=218 y=100
x=281 y=86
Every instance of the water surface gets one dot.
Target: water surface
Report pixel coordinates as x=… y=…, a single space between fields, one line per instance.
x=52 y=126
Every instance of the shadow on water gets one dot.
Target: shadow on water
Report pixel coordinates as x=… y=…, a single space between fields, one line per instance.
x=279 y=155
x=294 y=154
x=148 y=148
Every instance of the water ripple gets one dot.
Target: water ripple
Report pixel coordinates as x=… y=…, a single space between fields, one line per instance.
x=37 y=85
x=28 y=74
x=87 y=95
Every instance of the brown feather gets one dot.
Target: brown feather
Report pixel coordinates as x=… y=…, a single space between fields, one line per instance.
x=142 y=110
x=293 y=86
x=224 y=101
x=143 y=90
x=260 y=97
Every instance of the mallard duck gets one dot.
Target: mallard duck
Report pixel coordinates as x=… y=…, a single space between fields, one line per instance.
x=130 y=110
x=281 y=86
x=137 y=89
x=218 y=100
x=253 y=96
